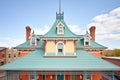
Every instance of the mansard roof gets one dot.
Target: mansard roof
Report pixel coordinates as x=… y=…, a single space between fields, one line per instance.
x=26 y=45
x=79 y=45
x=82 y=61
x=93 y=45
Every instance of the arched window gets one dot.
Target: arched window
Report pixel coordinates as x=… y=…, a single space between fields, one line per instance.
x=60 y=48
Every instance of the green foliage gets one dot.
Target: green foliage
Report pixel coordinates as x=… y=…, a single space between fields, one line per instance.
x=108 y=53
x=116 y=52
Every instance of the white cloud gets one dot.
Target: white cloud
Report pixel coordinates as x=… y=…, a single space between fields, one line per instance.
x=107 y=25
x=76 y=29
x=9 y=42
x=41 y=31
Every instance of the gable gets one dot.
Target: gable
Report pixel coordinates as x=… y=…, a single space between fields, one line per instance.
x=52 y=32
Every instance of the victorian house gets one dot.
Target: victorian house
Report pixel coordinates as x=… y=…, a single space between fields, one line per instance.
x=60 y=54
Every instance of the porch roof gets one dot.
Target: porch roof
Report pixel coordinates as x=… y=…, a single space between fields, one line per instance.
x=83 y=61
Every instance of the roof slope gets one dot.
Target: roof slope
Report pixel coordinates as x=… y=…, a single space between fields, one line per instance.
x=37 y=61
x=93 y=45
x=53 y=33
x=1 y=48
x=26 y=45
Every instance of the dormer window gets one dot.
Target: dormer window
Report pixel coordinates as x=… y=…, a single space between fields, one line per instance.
x=87 y=39
x=60 y=28
x=86 y=43
x=33 y=40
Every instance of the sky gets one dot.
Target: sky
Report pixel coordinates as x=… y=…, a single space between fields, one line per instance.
x=79 y=15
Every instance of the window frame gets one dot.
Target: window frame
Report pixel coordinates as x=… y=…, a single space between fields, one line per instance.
x=63 y=48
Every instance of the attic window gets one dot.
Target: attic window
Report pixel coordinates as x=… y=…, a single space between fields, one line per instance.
x=60 y=28
x=87 y=39
x=33 y=41
x=87 y=43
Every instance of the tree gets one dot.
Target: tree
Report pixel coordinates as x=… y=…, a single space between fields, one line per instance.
x=116 y=52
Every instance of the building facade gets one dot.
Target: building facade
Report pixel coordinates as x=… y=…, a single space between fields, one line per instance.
x=60 y=54
x=3 y=55
x=12 y=54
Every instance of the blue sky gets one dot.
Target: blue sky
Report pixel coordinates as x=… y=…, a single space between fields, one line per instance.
x=79 y=15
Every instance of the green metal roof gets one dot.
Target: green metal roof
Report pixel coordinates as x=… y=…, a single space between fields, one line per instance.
x=26 y=45
x=83 y=61
x=79 y=45
x=93 y=45
x=53 y=33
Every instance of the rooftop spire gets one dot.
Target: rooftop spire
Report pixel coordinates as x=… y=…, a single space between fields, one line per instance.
x=59 y=15
x=59 y=6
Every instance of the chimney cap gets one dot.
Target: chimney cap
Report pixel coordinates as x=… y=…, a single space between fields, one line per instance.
x=28 y=27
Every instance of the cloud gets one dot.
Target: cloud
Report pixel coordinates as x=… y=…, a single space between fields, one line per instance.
x=74 y=28
x=107 y=25
x=9 y=42
x=41 y=31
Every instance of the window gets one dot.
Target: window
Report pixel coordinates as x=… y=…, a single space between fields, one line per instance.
x=87 y=39
x=32 y=77
x=33 y=41
x=2 y=63
x=89 y=77
x=60 y=28
x=14 y=54
x=87 y=43
x=8 y=55
x=3 y=55
x=60 y=47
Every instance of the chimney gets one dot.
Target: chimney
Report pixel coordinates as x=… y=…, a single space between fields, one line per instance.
x=92 y=32
x=28 y=31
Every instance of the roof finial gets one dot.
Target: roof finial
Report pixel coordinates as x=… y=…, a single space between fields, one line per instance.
x=59 y=6
x=60 y=15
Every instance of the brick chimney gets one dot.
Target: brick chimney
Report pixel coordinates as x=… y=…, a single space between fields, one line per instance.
x=92 y=32
x=28 y=31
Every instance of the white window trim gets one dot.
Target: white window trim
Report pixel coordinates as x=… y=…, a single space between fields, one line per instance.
x=57 y=48
x=86 y=40
x=35 y=41
x=62 y=25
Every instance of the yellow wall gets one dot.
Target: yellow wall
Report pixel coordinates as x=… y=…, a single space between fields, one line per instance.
x=50 y=47
x=69 y=47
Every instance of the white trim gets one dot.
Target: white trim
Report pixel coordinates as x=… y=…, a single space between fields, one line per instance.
x=75 y=53
x=35 y=41
x=45 y=54
x=57 y=47
x=62 y=26
x=52 y=38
